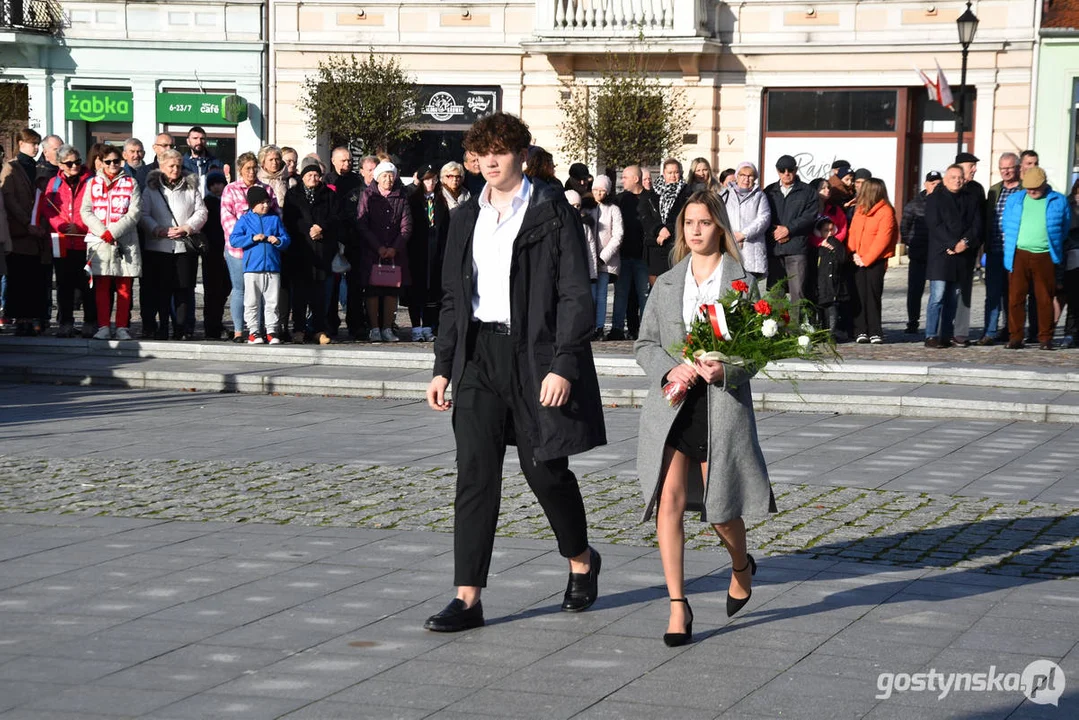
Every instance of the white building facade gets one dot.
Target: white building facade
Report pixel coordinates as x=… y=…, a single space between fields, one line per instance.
x=817 y=79
x=126 y=68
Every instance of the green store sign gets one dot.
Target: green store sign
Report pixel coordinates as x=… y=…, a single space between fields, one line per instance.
x=200 y=109
x=98 y=106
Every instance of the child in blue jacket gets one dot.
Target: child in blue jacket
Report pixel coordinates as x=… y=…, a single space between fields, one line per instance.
x=262 y=237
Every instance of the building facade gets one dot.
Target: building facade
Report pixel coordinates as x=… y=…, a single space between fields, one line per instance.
x=819 y=80
x=1056 y=127
x=116 y=69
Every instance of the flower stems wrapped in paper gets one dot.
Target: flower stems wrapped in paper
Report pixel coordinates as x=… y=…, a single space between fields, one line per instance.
x=750 y=331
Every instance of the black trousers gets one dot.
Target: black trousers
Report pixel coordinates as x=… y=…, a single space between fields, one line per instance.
x=308 y=293
x=915 y=290
x=486 y=407
x=215 y=288
x=25 y=276
x=869 y=283
x=168 y=278
x=71 y=278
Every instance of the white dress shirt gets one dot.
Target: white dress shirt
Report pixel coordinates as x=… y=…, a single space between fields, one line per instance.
x=694 y=295
x=492 y=254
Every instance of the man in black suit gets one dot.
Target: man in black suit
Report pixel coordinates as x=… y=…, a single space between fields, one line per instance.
x=514 y=339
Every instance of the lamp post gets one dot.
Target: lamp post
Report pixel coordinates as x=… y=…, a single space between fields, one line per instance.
x=967 y=24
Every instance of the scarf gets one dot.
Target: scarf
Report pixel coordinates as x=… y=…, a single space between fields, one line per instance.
x=309 y=193
x=668 y=193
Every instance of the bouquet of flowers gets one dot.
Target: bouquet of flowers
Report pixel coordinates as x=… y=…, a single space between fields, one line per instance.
x=750 y=331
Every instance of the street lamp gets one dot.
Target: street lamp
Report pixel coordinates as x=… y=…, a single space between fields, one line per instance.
x=967 y=23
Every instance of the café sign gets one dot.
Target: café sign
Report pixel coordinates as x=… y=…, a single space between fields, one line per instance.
x=200 y=109
x=98 y=106
x=458 y=104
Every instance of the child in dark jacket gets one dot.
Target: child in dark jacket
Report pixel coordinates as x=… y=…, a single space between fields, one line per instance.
x=831 y=256
x=262 y=237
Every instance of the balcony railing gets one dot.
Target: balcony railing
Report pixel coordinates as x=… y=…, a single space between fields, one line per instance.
x=37 y=15
x=624 y=18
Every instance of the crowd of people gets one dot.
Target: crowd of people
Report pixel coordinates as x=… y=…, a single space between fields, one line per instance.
x=361 y=241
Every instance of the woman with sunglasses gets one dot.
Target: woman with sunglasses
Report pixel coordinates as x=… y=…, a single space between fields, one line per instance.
x=61 y=211
x=454 y=192
x=111 y=207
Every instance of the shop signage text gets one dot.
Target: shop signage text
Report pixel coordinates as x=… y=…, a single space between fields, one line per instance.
x=458 y=104
x=199 y=109
x=98 y=106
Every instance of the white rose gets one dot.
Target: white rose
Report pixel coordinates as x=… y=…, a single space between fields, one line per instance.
x=769 y=328
x=803 y=341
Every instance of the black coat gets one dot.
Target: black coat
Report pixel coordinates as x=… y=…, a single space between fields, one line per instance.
x=215 y=234
x=797 y=211
x=658 y=257
x=551 y=320
x=913 y=229
x=950 y=218
x=831 y=286
x=427 y=245
x=305 y=255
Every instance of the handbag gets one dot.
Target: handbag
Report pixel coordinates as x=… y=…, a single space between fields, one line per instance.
x=196 y=242
x=340 y=264
x=385 y=275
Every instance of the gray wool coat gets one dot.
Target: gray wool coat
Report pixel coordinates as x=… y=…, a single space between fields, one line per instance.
x=737 y=475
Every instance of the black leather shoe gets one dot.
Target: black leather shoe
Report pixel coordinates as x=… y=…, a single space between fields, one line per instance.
x=736 y=604
x=583 y=588
x=455 y=617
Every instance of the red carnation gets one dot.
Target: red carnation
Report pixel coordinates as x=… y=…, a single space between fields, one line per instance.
x=762 y=307
x=786 y=316
x=740 y=286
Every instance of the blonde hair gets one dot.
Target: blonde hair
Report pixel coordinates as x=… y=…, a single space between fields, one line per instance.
x=710 y=183
x=873 y=191
x=710 y=200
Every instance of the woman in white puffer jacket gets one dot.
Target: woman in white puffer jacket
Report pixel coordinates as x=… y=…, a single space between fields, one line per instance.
x=747 y=208
x=609 y=241
x=173 y=215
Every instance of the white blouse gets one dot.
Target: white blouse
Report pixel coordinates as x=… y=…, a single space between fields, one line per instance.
x=694 y=295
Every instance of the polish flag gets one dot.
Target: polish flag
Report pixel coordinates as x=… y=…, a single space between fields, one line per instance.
x=939 y=90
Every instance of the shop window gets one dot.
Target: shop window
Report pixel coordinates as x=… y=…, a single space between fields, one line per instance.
x=832 y=110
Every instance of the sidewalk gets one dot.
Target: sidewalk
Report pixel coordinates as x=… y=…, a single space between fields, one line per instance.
x=159 y=563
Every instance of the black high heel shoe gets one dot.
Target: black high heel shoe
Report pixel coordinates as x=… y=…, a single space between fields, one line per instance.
x=736 y=604
x=678 y=639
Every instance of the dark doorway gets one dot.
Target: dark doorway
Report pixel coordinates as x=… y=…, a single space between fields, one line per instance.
x=434 y=147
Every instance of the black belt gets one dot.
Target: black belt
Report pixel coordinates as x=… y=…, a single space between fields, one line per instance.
x=494 y=328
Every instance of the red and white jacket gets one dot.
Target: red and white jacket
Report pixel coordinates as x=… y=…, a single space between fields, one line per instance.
x=115 y=206
x=60 y=210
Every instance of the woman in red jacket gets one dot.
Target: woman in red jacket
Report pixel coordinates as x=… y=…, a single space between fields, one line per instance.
x=60 y=210
x=871 y=241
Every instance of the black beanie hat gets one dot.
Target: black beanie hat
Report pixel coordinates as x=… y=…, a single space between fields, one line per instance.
x=256 y=194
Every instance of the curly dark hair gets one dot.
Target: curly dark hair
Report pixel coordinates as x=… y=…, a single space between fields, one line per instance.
x=499 y=132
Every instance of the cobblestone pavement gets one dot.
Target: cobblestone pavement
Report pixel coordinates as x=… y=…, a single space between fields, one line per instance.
x=995 y=496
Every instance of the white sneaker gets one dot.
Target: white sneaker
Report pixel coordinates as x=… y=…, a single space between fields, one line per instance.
x=428 y=334
x=254 y=339
x=388 y=335
x=123 y=334
x=417 y=334
x=103 y=333
x=273 y=340
x=374 y=336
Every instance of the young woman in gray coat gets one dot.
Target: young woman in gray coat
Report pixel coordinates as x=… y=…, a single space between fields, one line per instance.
x=704 y=454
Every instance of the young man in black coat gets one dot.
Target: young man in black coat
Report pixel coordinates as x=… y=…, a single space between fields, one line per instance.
x=514 y=340
x=954 y=219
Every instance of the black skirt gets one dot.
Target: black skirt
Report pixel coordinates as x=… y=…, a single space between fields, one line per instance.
x=689 y=433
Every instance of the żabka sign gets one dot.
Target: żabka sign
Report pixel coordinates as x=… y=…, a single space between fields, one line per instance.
x=98 y=106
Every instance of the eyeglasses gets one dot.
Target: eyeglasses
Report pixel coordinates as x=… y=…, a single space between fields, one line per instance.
x=71 y=163
x=786 y=171
x=1007 y=167
x=747 y=176
x=452 y=177
x=164 y=145
x=112 y=162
